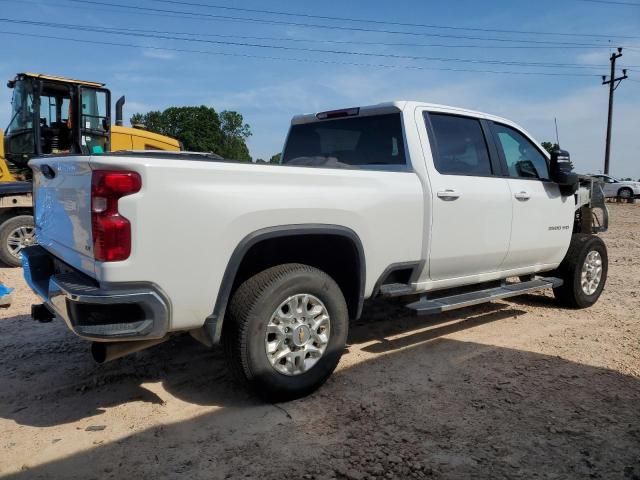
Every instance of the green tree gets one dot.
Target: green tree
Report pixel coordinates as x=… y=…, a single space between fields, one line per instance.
x=549 y=146
x=275 y=158
x=200 y=129
x=234 y=135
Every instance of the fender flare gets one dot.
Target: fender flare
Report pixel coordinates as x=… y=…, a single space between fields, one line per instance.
x=213 y=323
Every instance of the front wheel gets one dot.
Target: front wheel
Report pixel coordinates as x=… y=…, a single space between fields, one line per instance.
x=583 y=271
x=16 y=234
x=285 y=331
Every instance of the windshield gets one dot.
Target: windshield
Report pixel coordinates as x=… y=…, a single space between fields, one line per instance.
x=371 y=142
x=21 y=107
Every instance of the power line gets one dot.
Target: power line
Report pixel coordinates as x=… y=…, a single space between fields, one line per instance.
x=543 y=45
x=303 y=60
x=199 y=15
x=611 y=2
x=395 y=23
x=296 y=49
x=362 y=42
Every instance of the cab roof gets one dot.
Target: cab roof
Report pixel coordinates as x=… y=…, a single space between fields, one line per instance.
x=55 y=78
x=405 y=106
x=395 y=107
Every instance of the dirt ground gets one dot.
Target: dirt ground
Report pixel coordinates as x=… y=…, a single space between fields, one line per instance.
x=513 y=389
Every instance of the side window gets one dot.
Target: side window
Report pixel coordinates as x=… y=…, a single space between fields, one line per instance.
x=523 y=159
x=461 y=148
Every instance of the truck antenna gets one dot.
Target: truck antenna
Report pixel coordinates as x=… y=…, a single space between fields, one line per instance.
x=557 y=137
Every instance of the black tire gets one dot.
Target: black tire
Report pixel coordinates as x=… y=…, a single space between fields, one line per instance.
x=571 y=293
x=6 y=228
x=625 y=193
x=245 y=328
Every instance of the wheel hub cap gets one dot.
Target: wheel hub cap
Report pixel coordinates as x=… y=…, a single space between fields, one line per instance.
x=297 y=334
x=19 y=239
x=301 y=335
x=591 y=274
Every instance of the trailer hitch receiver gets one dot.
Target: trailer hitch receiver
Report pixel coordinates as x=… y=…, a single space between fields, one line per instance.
x=40 y=313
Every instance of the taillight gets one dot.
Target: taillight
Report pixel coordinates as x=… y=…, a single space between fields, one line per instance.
x=111 y=231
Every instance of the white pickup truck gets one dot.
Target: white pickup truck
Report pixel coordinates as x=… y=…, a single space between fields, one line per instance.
x=450 y=206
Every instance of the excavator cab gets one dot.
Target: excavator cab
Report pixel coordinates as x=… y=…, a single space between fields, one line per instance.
x=55 y=115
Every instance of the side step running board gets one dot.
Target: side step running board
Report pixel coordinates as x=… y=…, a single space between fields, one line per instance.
x=426 y=306
x=396 y=290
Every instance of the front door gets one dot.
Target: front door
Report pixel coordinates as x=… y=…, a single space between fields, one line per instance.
x=471 y=205
x=542 y=217
x=95 y=111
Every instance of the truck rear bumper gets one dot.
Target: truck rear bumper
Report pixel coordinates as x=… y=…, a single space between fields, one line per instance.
x=135 y=311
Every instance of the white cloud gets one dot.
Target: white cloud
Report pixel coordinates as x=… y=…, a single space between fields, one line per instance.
x=285 y=96
x=158 y=54
x=594 y=57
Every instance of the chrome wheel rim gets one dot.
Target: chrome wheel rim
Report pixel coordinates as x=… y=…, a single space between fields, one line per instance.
x=625 y=193
x=20 y=238
x=591 y=272
x=297 y=334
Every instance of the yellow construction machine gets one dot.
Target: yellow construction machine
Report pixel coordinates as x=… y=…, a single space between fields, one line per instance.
x=5 y=173
x=55 y=115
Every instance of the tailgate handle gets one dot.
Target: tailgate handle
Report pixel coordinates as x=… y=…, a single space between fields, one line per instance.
x=47 y=171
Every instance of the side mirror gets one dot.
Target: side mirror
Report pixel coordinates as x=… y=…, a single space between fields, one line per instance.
x=562 y=173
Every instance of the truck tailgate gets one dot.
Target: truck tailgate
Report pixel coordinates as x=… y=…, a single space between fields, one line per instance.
x=62 y=209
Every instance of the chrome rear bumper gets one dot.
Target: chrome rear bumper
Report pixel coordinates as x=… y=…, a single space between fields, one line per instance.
x=118 y=312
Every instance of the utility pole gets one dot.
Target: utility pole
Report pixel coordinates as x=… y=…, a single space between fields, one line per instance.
x=613 y=84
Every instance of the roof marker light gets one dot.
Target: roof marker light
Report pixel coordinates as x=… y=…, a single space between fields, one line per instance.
x=347 y=112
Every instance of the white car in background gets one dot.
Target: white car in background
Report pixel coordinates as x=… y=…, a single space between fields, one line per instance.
x=619 y=188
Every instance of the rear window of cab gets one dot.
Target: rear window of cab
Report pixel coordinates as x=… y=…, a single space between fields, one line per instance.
x=370 y=142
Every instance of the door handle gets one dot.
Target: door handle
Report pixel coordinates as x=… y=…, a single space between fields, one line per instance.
x=522 y=195
x=448 y=194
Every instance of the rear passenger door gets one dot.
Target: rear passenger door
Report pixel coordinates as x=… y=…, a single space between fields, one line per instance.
x=542 y=217
x=470 y=203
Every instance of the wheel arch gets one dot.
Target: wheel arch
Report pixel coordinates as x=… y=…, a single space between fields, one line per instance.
x=235 y=272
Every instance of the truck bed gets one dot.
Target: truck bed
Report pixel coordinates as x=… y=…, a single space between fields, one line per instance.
x=190 y=216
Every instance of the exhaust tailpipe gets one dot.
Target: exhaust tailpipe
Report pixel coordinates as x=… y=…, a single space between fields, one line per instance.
x=103 y=352
x=119 y=105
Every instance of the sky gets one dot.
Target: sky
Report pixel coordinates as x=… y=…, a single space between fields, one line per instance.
x=162 y=53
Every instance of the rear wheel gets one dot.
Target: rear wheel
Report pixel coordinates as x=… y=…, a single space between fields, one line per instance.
x=583 y=271
x=285 y=331
x=625 y=193
x=16 y=234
